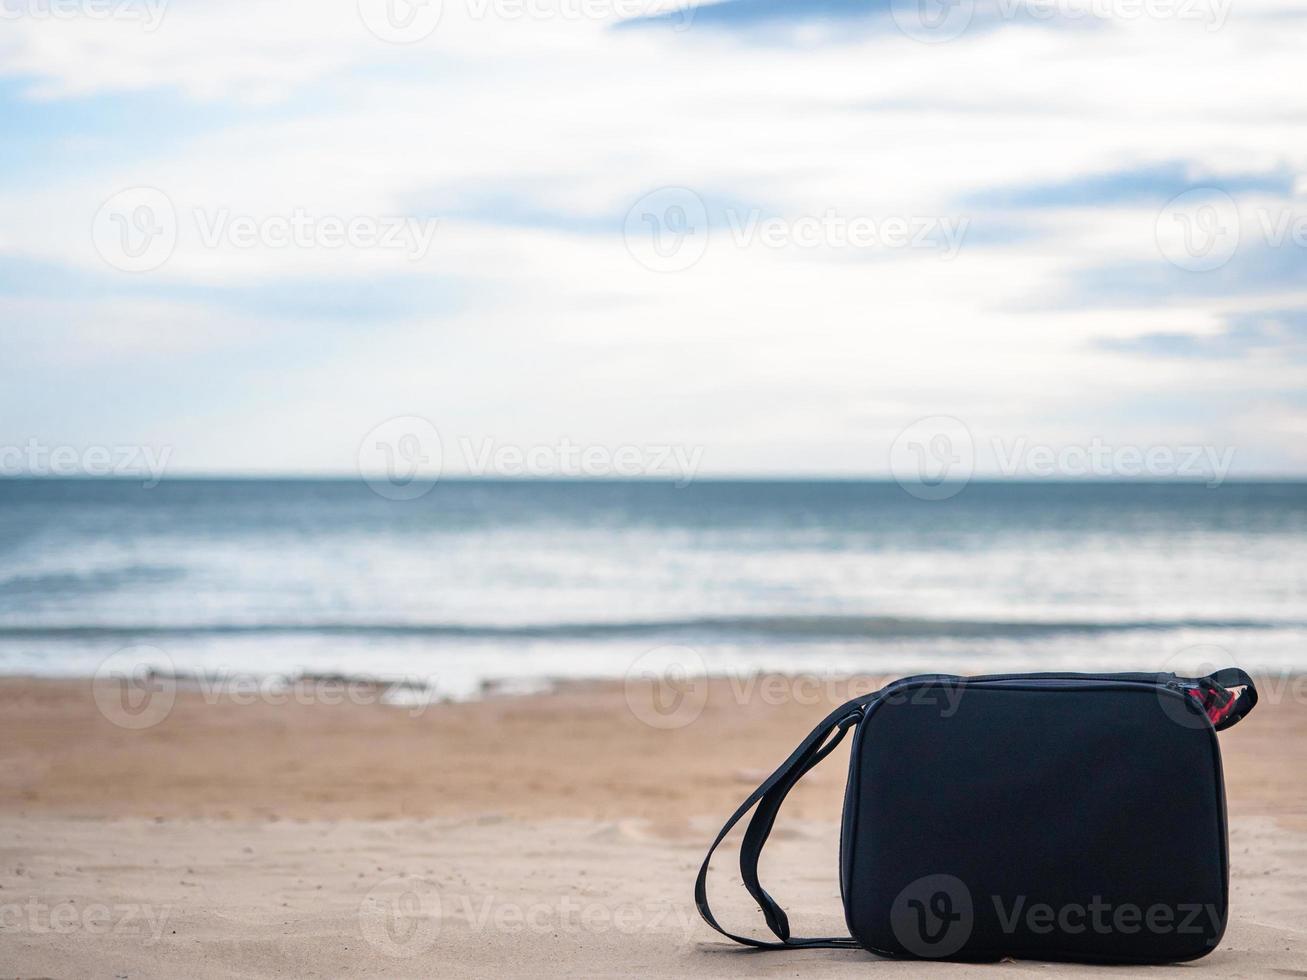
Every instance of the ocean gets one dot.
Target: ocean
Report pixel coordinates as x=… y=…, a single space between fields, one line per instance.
x=510 y=584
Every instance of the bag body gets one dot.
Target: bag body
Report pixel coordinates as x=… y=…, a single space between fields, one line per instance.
x=1037 y=816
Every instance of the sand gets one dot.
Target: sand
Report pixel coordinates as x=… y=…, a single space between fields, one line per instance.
x=541 y=835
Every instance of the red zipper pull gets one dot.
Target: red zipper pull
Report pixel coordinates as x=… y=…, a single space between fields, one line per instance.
x=1215 y=700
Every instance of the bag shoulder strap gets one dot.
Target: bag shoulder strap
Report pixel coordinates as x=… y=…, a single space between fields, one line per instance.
x=768 y=798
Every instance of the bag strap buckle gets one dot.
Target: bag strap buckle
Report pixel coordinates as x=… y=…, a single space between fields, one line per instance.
x=1223 y=706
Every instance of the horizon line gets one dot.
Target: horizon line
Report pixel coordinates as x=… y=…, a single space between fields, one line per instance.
x=343 y=477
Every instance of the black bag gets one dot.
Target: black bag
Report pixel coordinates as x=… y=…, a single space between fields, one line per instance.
x=1038 y=816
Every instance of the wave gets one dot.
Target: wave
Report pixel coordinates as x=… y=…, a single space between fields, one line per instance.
x=88 y=582
x=792 y=627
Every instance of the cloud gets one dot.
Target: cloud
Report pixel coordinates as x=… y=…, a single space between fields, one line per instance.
x=250 y=51
x=1256 y=268
x=737 y=14
x=1146 y=184
x=358 y=300
x=1278 y=333
x=841 y=21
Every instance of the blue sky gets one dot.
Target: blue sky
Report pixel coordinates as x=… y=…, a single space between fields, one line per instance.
x=778 y=232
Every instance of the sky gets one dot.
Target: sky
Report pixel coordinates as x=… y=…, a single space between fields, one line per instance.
x=637 y=238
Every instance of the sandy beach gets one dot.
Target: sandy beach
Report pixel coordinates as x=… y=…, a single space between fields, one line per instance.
x=537 y=835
